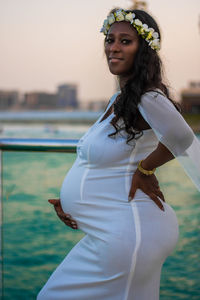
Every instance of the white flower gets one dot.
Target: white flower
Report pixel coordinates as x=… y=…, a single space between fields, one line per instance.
x=105 y=23
x=151 y=30
x=129 y=17
x=155 y=44
x=149 y=34
x=120 y=11
x=111 y=19
x=155 y=35
x=106 y=26
x=138 y=22
x=145 y=26
x=119 y=16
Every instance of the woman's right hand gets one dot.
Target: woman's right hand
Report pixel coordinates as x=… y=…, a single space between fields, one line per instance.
x=149 y=185
x=66 y=218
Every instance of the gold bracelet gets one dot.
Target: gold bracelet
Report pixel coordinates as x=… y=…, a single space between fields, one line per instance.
x=143 y=171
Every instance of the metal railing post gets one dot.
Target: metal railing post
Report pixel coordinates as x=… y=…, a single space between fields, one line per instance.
x=41 y=145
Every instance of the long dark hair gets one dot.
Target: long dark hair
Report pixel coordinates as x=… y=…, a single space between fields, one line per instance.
x=146 y=75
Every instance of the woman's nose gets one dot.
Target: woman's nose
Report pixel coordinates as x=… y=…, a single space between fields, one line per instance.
x=115 y=47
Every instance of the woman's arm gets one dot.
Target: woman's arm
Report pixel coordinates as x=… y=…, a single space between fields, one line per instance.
x=175 y=138
x=157 y=158
x=149 y=183
x=166 y=122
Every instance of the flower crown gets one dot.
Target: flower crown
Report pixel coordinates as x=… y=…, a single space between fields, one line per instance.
x=149 y=34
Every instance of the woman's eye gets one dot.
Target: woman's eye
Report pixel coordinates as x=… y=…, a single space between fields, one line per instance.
x=125 y=41
x=109 y=41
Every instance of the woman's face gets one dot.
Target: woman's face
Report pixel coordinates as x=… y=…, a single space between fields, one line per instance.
x=121 y=46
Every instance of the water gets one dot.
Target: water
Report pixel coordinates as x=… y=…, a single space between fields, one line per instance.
x=35 y=241
x=52 y=115
x=42 y=131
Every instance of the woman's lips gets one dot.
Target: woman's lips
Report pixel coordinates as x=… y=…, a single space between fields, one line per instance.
x=115 y=59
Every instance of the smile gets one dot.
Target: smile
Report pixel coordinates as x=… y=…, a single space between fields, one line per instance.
x=115 y=59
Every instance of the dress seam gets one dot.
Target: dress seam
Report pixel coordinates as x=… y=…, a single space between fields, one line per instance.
x=136 y=218
x=85 y=174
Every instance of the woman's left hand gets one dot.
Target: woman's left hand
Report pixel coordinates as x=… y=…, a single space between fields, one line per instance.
x=149 y=185
x=65 y=218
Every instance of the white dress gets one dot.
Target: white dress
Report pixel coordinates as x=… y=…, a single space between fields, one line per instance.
x=126 y=243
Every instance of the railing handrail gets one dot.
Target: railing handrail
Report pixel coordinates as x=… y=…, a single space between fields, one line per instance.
x=44 y=145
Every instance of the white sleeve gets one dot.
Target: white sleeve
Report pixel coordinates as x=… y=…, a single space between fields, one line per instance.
x=172 y=131
x=166 y=121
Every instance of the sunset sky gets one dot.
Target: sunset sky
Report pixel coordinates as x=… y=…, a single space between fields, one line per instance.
x=49 y=42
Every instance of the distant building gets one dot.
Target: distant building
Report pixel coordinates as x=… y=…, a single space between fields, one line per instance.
x=39 y=100
x=8 y=99
x=67 y=96
x=190 y=98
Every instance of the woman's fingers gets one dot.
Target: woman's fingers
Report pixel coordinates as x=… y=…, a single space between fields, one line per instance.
x=74 y=225
x=68 y=221
x=55 y=202
x=132 y=192
x=58 y=208
x=66 y=218
x=60 y=212
x=71 y=223
x=157 y=201
x=62 y=215
x=160 y=194
x=149 y=185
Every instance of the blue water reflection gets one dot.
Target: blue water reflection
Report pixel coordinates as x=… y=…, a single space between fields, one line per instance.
x=35 y=241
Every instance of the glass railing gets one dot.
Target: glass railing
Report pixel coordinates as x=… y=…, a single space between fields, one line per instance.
x=34 y=241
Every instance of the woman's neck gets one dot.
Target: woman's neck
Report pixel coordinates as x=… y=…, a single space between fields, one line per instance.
x=123 y=80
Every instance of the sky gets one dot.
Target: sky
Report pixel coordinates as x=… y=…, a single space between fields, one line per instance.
x=45 y=43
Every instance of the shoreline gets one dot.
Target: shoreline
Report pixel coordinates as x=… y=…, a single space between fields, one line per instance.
x=193 y=120
x=195 y=127
x=52 y=122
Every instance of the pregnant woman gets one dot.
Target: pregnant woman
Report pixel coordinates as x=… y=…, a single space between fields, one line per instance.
x=111 y=192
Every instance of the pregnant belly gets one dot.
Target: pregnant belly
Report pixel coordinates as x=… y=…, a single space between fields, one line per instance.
x=87 y=190
x=99 y=204
x=95 y=199
x=92 y=188
x=70 y=193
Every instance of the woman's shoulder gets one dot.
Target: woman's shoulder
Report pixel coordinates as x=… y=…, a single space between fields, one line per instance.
x=156 y=97
x=154 y=93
